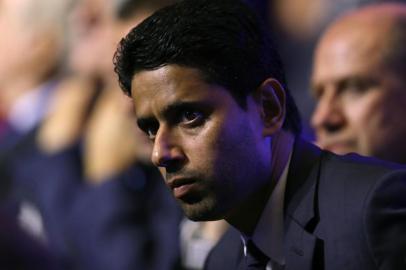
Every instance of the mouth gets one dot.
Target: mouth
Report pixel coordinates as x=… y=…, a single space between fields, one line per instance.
x=181 y=187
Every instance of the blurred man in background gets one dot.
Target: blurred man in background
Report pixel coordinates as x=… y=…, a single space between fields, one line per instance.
x=359 y=83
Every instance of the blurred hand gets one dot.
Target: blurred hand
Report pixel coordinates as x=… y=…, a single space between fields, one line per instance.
x=64 y=123
x=110 y=144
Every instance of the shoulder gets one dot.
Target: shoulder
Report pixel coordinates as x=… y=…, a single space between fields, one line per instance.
x=371 y=195
x=355 y=173
x=357 y=164
x=385 y=221
x=351 y=184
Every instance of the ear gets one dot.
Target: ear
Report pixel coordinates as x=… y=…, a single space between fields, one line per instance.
x=272 y=103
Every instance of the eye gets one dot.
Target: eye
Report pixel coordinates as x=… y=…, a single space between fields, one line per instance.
x=354 y=87
x=151 y=133
x=317 y=92
x=150 y=128
x=191 y=117
x=357 y=86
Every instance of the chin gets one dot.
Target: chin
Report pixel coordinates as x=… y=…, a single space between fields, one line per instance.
x=203 y=210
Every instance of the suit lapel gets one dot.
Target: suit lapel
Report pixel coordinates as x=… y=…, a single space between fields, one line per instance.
x=301 y=211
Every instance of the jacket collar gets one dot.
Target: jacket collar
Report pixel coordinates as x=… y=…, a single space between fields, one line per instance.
x=301 y=214
x=302 y=182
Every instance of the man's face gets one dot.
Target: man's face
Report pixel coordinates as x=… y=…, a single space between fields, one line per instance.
x=211 y=152
x=361 y=104
x=15 y=44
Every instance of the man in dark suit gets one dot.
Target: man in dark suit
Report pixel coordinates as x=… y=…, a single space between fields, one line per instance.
x=209 y=91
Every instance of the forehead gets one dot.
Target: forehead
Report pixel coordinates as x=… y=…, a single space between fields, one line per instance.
x=349 y=51
x=154 y=90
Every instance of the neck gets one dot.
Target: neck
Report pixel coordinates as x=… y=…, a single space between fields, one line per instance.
x=282 y=146
x=250 y=211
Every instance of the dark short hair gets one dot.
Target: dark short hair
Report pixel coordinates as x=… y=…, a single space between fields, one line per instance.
x=224 y=39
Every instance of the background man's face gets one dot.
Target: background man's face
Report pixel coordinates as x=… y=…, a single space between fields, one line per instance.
x=361 y=104
x=210 y=151
x=15 y=47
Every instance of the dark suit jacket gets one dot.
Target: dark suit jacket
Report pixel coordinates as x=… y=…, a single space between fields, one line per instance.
x=340 y=213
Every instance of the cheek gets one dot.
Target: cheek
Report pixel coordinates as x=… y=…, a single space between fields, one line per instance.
x=202 y=148
x=365 y=110
x=368 y=117
x=213 y=150
x=236 y=151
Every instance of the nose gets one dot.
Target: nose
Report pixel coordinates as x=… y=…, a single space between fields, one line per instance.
x=167 y=152
x=328 y=116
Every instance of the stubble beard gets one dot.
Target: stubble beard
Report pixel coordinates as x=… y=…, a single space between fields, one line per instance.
x=206 y=209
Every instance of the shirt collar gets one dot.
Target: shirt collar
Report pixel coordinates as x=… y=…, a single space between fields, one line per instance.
x=268 y=234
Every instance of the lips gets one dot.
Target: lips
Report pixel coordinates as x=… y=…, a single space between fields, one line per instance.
x=181 y=186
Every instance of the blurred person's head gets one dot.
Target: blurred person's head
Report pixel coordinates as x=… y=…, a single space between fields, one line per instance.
x=360 y=85
x=32 y=47
x=91 y=36
x=33 y=40
x=96 y=28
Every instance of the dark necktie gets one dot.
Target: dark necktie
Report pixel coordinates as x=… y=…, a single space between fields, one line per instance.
x=255 y=258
